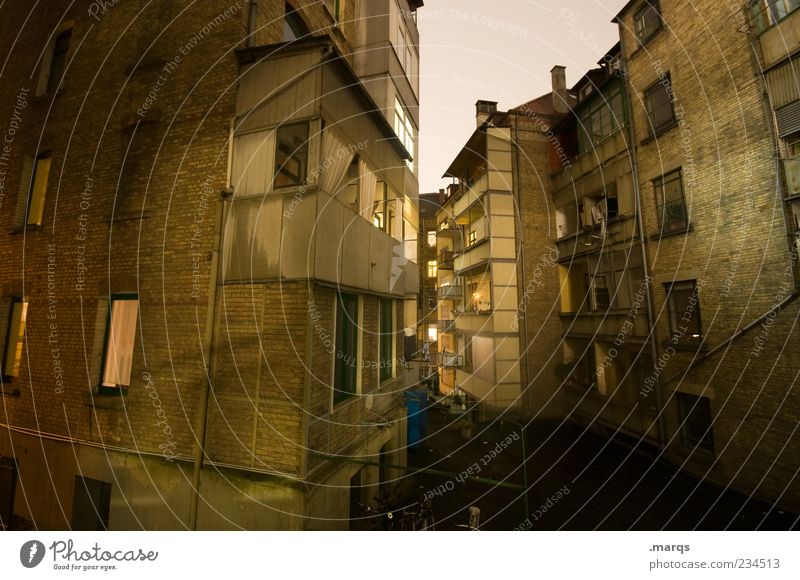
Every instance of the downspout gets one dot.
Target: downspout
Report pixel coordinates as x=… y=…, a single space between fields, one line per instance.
x=209 y=346
x=251 y=24
x=522 y=257
x=637 y=194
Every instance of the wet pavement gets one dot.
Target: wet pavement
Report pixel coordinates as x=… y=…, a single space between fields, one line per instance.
x=578 y=481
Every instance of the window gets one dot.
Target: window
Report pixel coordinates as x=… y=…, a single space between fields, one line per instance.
x=120 y=338
x=658 y=103
x=386 y=340
x=404 y=129
x=694 y=414
x=91 y=503
x=472 y=237
x=767 y=13
x=433 y=333
x=37 y=189
x=684 y=310
x=15 y=336
x=291 y=155
x=647 y=21
x=671 y=203
x=335 y=8
x=55 y=64
x=433 y=268
x=352 y=184
x=432 y=238
x=602 y=117
x=602 y=296
x=345 y=378
x=293 y=26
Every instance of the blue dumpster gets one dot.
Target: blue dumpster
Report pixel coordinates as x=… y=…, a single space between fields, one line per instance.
x=417 y=406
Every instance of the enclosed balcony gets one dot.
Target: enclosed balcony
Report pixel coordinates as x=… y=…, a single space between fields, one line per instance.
x=447 y=326
x=446 y=258
x=450 y=292
x=451 y=360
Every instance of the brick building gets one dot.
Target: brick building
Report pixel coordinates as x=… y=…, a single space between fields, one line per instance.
x=209 y=219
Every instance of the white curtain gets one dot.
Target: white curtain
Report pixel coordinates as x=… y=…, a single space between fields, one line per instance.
x=369 y=184
x=336 y=158
x=119 y=348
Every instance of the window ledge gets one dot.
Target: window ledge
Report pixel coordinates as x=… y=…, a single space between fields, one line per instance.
x=688 y=346
x=642 y=44
x=127 y=217
x=25 y=228
x=48 y=96
x=106 y=399
x=658 y=132
x=657 y=236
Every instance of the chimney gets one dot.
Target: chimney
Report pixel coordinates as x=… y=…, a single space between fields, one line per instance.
x=560 y=96
x=483 y=109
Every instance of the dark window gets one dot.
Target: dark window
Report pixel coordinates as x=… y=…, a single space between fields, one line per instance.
x=386 y=339
x=683 y=303
x=291 y=155
x=695 y=421
x=91 y=503
x=647 y=21
x=15 y=337
x=658 y=102
x=602 y=296
x=59 y=62
x=671 y=202
x=293 y=26
x=120 y=338
x=346 y=366
x=601 y=117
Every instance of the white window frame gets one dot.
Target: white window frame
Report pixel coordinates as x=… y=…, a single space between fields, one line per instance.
x=119 y=377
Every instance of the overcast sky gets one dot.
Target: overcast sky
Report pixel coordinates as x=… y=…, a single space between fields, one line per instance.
x=499 y=51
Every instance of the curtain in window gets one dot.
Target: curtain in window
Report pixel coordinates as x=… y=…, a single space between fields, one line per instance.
x=336 y=158
x=119 y=349
x=253 y=160
x=369 y=184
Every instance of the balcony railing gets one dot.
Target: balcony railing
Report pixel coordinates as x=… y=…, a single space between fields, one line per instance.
x=451 y=360
x=449 y=229
x=446 y=258
x=450 y=292
x=447 y=326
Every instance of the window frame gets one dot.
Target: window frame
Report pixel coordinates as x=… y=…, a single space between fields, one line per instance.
x=654 y=130
x=404 y=129
x=660 y=184
x=19 y=343
x=386 y=315
x=343 y=393
x=279 y=165
x=32 y=188
x=601 y=108
x=688 y=409
x=642 y=36
x=119 y=388
x=433 y=268
x=675 y=317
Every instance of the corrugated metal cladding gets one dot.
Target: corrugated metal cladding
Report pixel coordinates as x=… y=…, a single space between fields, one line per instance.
x=788 y=119
x=784 y=83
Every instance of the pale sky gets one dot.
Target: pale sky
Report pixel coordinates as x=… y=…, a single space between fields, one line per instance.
x=498 y=51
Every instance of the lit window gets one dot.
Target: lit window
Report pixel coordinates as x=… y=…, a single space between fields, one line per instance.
x=345 y=378
x=120 y=338
x=433 y=268
x=38 y=189
x=684 y=310
x=671 y=203
x=386 y=339
x=432 y=238
x=15 y=336
x=472 y=238
x=291 y=155
x=647 y=21
x=433 y=333
x=404 y=129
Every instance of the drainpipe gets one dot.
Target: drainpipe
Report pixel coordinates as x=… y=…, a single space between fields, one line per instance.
x=251 y=24
x=651 y=325
x=209 y=347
